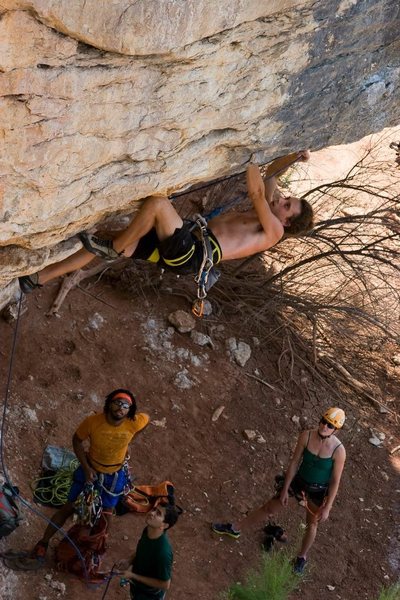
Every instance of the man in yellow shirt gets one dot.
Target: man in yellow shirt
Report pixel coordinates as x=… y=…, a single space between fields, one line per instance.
x=109 y=434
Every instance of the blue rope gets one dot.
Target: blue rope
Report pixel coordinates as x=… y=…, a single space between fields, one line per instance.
x=222 y=208
x=14 y=490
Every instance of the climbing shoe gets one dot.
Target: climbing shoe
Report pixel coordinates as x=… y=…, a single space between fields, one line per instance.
x=95 y=245
x=28 y=283
x=39 y=551
x=225 y=529
x=273 y=532
x=299 y=565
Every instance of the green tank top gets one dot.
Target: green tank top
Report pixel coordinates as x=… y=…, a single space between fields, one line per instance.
x=314 y=469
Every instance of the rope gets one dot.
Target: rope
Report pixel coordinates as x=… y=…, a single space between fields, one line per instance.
x=56 y=493
x=204 y=186
x=111 y=575
x=218 y=210
x=2 y=459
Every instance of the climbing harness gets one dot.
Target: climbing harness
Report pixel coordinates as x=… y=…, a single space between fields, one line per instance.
x=304 y=502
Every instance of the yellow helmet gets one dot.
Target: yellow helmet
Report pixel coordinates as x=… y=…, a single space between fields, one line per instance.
x=335 y=416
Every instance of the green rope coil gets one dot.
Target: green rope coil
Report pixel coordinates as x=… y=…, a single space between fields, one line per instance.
x=59 y=484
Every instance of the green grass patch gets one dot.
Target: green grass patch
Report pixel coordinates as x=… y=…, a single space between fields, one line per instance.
x=272 y=580
x=390 y=593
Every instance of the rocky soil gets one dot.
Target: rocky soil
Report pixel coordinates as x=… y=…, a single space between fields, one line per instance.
x=221 y=460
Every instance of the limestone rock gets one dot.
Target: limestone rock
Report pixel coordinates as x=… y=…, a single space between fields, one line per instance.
x=160 y=423
x=250 y=435
x=375 y=441
x=217 y=413
x=242 y=353
x=182 y=321
x=183 y=381
x=231 y=344
x=201 y=339
x=98 y=112
x=11 y=311
x=396 y=359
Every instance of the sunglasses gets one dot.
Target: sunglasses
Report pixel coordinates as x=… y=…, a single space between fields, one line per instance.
x=325 y=422
x=121 y=404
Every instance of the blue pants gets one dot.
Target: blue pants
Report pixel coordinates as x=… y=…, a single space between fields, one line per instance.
x=114 y=482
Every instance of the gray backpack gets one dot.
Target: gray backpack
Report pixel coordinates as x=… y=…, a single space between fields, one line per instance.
x=9 y=511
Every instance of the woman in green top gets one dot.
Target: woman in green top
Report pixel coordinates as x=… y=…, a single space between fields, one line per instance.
x=312 y=477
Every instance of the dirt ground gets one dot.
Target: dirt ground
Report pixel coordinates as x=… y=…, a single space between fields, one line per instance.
x=106 y=338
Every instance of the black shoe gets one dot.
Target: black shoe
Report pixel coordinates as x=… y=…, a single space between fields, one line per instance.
x=268 y=542
x=299 y=565
x=276 y=531
x=28 y=283
x=95 y=245
x=273 y=532
x=225 y=529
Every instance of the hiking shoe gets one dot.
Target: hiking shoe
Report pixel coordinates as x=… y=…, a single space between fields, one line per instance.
x=28 y=283
x=95 y=245
x=299 y=565
x=39 y=551
x=225 y=529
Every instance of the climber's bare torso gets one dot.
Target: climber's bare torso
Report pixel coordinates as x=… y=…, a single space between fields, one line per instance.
x=241 y=234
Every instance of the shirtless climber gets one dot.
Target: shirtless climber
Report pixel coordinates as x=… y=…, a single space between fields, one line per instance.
x=158 y=234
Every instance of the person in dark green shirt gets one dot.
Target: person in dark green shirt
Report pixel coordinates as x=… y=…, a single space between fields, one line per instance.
x=312 y=477
x=149 y=569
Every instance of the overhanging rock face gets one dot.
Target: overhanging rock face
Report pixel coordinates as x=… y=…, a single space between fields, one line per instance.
x=104 y=102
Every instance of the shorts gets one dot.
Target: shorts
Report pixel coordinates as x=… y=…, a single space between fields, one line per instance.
x=182 y=252
x=140 y=594
x=314 y=492
x=113 y=482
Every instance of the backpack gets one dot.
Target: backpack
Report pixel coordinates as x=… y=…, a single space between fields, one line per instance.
x=142 y=498
x=9 y=511
x=91 y=542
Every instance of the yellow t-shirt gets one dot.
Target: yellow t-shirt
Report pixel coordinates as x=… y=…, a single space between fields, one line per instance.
x=108 y=443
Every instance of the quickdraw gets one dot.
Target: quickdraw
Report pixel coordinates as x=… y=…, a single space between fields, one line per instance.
x=89 y=506
x=206 y=265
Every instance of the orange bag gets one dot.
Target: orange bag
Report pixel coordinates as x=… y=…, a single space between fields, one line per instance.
x=142 y=498
x=91 y=542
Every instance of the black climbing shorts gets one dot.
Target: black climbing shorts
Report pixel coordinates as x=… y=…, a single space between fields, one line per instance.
x=182 y=252
x=314 y=492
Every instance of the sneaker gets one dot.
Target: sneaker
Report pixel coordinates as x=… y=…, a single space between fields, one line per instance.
x=95 y=245
x=299 y=565
x=225 y=529
x=39 y=551
x=28 y=283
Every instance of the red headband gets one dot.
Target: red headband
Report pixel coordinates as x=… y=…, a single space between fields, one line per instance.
x=122 y=396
